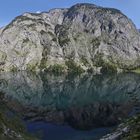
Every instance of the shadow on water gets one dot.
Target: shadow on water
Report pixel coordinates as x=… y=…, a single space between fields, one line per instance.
x=11 y=125
x=70 y=107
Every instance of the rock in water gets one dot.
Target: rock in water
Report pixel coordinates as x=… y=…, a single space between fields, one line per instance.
x=84 y=36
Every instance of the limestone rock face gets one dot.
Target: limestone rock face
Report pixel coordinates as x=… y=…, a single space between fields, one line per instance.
x=88 y=35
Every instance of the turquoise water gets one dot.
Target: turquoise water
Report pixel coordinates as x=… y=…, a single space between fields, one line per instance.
x=68 y=107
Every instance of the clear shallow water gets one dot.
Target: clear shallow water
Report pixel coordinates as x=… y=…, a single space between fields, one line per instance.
x=83 y=107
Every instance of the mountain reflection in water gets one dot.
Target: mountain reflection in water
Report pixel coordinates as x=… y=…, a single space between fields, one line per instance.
x=66 y=104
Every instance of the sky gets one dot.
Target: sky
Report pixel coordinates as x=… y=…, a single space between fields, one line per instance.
x=9 y=9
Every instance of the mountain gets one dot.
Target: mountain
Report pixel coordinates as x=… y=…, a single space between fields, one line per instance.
x=83 y=37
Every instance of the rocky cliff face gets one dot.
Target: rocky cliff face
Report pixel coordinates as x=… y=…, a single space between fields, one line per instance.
x=84 y=36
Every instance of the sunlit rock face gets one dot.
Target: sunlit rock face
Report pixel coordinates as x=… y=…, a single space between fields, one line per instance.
x=83 y=102
x=89 y=35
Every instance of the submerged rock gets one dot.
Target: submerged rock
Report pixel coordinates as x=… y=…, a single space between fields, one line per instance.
x=83 y=37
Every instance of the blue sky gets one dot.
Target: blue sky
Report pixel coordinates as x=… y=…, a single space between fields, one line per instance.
x=12 y=8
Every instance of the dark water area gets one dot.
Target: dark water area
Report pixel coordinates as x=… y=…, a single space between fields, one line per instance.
x=68 y=107
x=48 y=131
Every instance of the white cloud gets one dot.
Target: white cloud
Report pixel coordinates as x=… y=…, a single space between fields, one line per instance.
x=38 y=12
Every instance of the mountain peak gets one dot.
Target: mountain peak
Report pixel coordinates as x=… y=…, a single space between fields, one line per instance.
x=83 y=37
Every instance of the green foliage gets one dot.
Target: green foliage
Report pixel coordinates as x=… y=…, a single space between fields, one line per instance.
x=17 y=52
x=98 y=61
x=18 y=19
x=20 y=53
x=63 y=35
x=13 y=68
x=43 y=64
x=84 y=61
x=77 y=36
x=86 y=30
x=26 y=40
x=50 y=33
x=32 y=26
x=3 y=56
x=90 y=70
x=54 y=39
x=63 y=41
x=110 y=10
x=56 y=69
x=42 y=32
x=32 y=67
x=136 y=70
x=96 y=41
x=108 y=68
x=73 y=67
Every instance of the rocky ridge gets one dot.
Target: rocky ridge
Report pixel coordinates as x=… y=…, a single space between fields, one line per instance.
x=83 y=37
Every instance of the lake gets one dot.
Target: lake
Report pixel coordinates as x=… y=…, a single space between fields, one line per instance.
x=68 y=107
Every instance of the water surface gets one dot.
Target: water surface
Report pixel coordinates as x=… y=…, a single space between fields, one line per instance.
x=68 y=107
